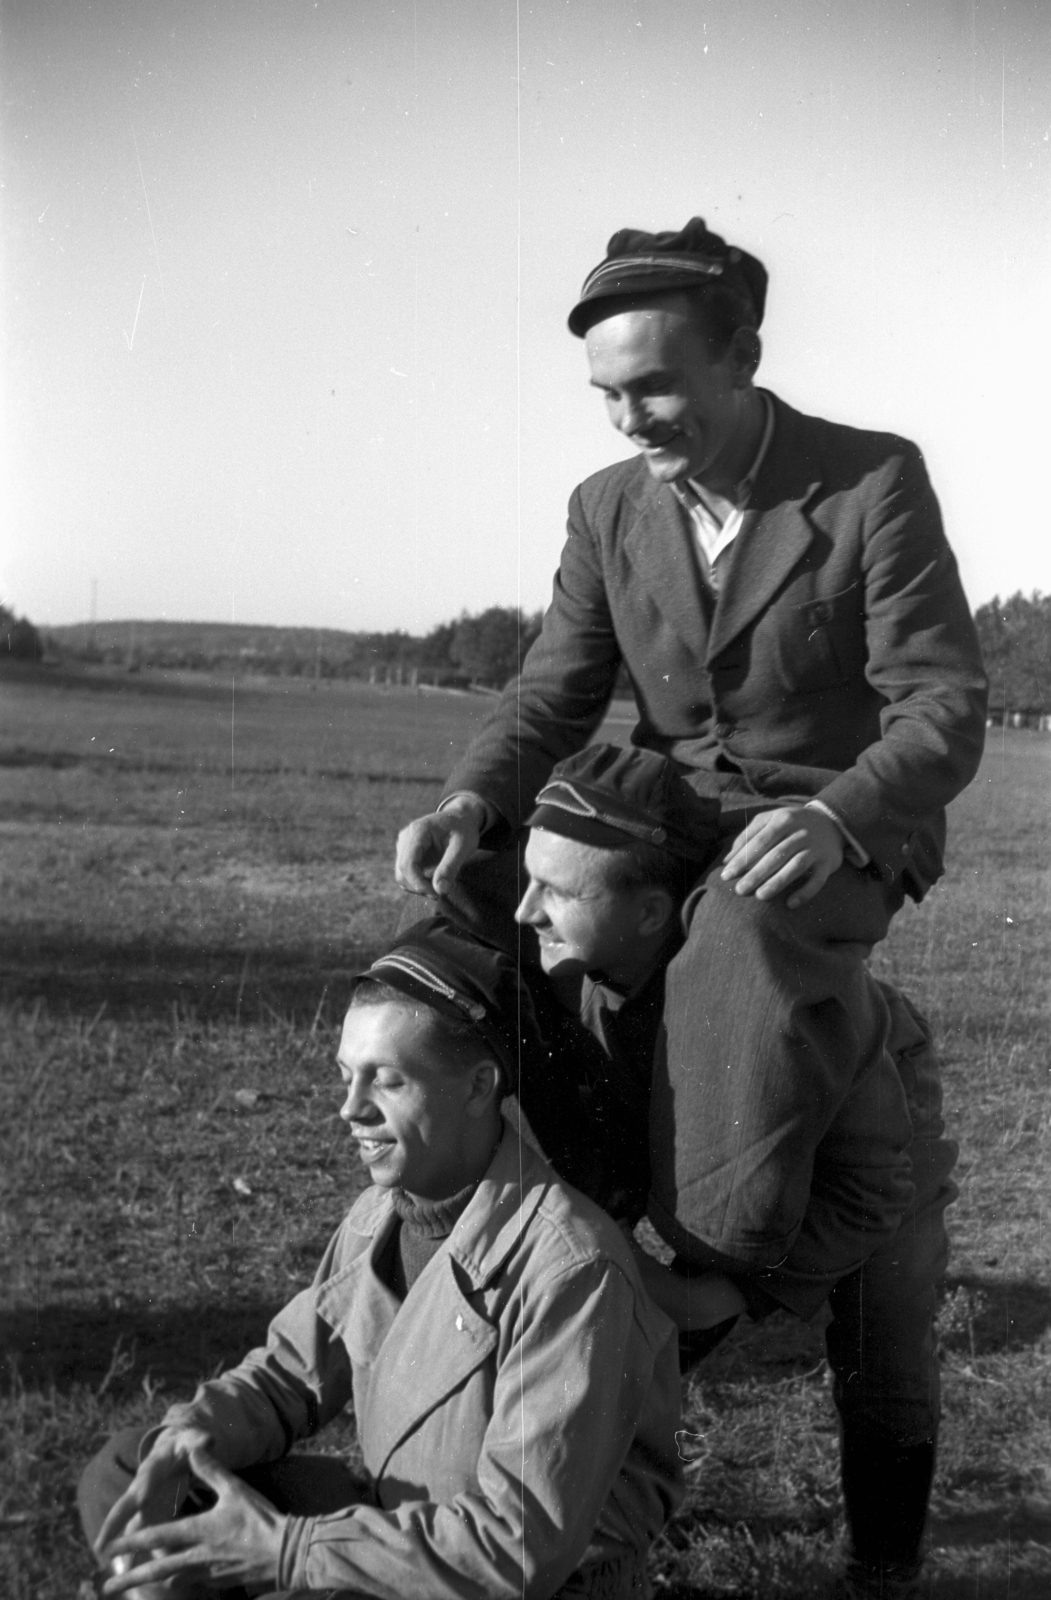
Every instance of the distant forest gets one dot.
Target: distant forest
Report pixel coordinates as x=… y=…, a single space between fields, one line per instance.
x=485 y=650
x=1016 y=644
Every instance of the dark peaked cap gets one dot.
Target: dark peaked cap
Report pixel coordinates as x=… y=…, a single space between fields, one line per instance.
x=611 y=797
x=466 y=981
x=652 y=263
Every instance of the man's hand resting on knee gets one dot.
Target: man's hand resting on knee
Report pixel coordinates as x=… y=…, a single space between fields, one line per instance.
x=432 y=849
x=792 y=845
x=237 y=1540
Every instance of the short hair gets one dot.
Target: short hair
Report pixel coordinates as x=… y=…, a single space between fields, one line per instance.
x=718 y=310
x=644 y=866
x=459 y=1044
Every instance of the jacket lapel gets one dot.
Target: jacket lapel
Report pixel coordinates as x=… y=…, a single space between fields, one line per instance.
x=659 y=545
x=435 y=1342
x=358 y=1285
x=438 y=1338
x=768 y=546
x=774 y=537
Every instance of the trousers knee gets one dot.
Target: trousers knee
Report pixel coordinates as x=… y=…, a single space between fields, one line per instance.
x=105 y=1479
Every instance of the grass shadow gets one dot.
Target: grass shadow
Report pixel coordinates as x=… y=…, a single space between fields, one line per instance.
x=210 y=983
x=1021 y=1523
x=112 y=1350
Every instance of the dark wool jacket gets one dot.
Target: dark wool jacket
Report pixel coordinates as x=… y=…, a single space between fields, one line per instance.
x=840 y=641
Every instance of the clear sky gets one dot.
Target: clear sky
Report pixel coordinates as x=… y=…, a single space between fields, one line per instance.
x=285 y=284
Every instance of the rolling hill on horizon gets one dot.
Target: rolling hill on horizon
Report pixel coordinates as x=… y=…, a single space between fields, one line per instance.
x=486 y=649
x=163 y=633
x=254 y=647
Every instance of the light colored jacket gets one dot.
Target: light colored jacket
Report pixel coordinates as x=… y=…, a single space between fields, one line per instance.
x=517 y=1411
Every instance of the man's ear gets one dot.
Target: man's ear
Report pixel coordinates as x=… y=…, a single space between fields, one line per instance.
x=746 y=347
x=484 y=1089
x=656 y=911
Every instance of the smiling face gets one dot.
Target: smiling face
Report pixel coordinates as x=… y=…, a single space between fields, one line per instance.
x=421 y=1120
x=582 y=923
x=691 y=415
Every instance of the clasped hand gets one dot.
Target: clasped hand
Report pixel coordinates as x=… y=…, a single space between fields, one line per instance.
x=235 y=1541
x=778 y=848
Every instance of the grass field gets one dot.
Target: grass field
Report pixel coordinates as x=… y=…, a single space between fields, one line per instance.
x=189 y=870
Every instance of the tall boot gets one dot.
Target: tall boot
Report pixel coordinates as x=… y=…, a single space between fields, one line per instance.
x=886 y=1490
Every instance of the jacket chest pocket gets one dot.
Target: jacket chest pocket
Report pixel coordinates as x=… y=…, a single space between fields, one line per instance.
x=821 y=642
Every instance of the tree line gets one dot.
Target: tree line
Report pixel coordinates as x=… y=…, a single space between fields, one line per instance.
x=485 y=649
x=1015 y=636
x=19 y=640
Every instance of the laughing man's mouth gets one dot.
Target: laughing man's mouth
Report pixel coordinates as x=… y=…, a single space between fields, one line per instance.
x=661 y=443
x=371 y=1146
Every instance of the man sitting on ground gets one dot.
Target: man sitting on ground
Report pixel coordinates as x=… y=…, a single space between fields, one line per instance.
x=516 y=1391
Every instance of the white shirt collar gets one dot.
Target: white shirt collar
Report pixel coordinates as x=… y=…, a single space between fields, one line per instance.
x=712 y=535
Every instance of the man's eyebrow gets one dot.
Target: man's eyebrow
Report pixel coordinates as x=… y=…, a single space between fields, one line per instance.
x=540 y=881
x=655 y=375
x=556 y=888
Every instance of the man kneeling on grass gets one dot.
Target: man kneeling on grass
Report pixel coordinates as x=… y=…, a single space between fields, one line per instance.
x=515 y=1389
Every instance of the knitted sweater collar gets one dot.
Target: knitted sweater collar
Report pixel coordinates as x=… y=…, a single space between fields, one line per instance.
x=433 y=1219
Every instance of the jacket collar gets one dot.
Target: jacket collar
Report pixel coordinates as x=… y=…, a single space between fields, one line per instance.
x=775 y=533
x=488 y=1229
x=774 y=537
x=502 y=1208
x=420 y=1359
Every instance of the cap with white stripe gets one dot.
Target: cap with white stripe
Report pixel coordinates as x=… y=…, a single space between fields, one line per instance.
x=639 y=263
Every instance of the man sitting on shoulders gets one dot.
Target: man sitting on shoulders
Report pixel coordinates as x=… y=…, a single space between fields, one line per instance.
x=516 y=1391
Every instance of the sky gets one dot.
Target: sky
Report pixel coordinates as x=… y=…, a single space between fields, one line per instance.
x=284 y=285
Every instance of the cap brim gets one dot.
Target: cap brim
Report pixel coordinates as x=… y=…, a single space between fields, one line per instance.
x=413 y=988
x=585 y=830
x=489 y=1032
x=664 y=280
x=588 y=830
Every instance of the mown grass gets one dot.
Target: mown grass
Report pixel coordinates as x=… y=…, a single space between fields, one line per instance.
x=185 y=840
x=172 y=949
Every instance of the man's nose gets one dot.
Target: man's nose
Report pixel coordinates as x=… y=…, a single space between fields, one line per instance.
x=632 y=415
x=357 y=1107
x=529 y=913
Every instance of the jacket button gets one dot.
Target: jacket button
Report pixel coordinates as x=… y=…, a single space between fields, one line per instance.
x=723 y=730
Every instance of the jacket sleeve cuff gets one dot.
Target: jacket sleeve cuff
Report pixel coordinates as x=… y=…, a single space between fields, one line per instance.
x=491 y=813
x=496 y=830
x=855 y=853
x=295 y=1548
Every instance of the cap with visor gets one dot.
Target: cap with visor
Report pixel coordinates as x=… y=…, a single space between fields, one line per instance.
x=611 y=797
x=639 y=263
x=465 y=980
